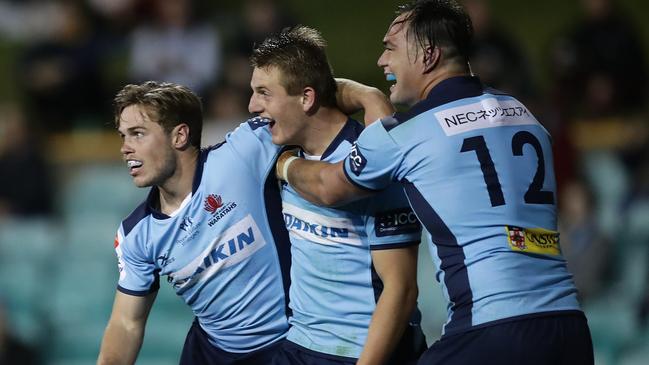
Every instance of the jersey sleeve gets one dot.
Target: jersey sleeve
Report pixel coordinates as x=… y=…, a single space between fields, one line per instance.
x=138 y=275
x=391 y=223
x=252 y=143
x=374 y=159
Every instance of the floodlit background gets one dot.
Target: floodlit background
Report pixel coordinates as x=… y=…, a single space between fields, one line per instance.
x=581 y=66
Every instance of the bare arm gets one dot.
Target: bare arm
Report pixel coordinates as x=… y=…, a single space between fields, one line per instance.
x=319 y=182
x=353 y=96
x=125 y=331
x=397 y=268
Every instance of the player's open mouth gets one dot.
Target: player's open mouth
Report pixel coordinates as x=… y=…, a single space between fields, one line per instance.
x=133 y=166
x=271 y=123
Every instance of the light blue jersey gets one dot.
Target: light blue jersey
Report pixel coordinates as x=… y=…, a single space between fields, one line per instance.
x=477 y=169
x=334 y=287
x=223 y=252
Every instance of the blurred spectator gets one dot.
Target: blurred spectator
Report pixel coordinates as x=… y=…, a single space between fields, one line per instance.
x=26 y=187
x=61 y=75
x=637 y=223
x=237 y=72
x=31 y=20
x=226 y=108
x=260 y=18
x=497 y=58
x=600 y=88
x=176 y=47
x=12 y=350
x=600 y=65
x=583 y=243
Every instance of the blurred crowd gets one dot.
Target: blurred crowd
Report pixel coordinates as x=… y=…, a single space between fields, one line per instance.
x=71 y=56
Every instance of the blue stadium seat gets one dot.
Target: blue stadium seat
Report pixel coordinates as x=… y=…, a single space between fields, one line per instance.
x=28 y=250
x=99 y=188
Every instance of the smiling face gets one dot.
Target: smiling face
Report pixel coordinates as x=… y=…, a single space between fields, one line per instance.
x=146 y=147
x=403 y=63
x=270 y=100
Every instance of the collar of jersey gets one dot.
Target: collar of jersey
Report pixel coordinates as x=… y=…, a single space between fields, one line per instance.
x=449 y=90
x=349 y=132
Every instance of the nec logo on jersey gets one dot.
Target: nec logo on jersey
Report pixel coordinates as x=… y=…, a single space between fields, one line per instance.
x=486 y=113
x=214 y=204
x=394 y=222
x=533 y=240
x=357 y=161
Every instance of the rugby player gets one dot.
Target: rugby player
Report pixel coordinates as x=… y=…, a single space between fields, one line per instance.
x=353 y=272
x=477 y=168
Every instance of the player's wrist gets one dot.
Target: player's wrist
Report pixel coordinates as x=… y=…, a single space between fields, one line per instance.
x=286 y=164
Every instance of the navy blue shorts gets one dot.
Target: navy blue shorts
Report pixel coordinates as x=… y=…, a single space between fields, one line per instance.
x=293 y=354
x=547 y=339
x=411 y=346
x=407 y=352
x=199 y=351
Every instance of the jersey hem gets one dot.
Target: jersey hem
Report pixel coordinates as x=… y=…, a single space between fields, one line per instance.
x=137 y=293
x=389 y=246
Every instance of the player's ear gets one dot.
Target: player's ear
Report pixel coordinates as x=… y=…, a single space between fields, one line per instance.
x=308 y=99
x=432 y=56
x=180 y=136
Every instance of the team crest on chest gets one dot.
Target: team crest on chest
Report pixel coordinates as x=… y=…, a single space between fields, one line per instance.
x=214 y=205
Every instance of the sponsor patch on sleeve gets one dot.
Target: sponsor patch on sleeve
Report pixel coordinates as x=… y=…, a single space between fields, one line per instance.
x=395 y=222
x=533 y=240
x=356 y=159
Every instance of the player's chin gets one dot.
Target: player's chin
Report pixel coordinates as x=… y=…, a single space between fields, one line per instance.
x=277 y=136
x=394 y=98
x=278 y=140
x=141 y=181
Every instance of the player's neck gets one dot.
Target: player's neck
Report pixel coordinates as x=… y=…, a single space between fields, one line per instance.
x=444 y=72
x=176 y=188
x=322 y=128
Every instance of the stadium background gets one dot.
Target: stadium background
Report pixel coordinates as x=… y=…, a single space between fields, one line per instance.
x=64 y=190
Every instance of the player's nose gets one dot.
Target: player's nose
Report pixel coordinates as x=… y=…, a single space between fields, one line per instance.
x=253 y=105
x=381 y=62
x=125 y=148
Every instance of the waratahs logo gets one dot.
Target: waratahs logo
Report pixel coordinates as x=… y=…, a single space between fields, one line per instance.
x=212 y=203
x=215 y=205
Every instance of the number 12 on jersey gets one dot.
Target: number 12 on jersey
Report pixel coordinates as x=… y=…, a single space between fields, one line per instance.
x=534 y=194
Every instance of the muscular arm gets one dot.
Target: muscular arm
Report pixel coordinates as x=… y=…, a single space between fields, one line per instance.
x=319 y=182
x=397 y=268
x=125 y=331
x=353 y=96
